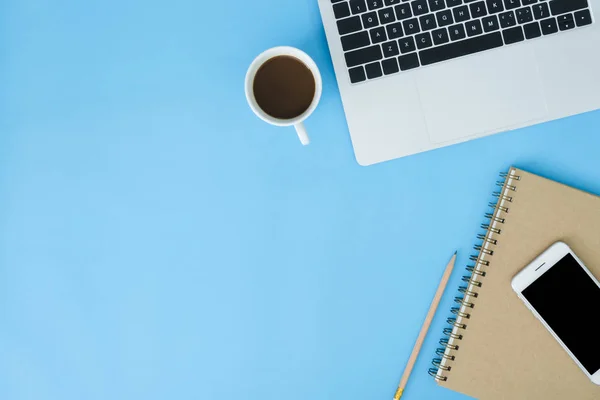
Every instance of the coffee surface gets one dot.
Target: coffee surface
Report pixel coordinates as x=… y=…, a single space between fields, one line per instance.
x=284 y=87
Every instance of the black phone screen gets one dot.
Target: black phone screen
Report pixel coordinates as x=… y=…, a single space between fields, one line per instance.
x=569 y=301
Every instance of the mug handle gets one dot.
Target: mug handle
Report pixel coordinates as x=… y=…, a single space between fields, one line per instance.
x=302 y=135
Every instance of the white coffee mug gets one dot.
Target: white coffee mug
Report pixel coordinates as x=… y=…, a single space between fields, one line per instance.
x=297 y=122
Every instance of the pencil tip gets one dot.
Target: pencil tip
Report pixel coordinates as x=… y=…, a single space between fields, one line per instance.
x=455 y=252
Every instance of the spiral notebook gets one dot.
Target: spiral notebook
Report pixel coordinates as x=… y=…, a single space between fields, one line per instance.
x=494 y=348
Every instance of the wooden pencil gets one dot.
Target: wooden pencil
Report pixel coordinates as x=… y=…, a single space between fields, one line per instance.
x=425 y=328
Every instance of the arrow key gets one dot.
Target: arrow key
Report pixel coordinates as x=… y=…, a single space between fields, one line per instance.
x=565 y=22
x=583 y=18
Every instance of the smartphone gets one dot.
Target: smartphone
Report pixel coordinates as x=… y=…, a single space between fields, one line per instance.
x=564 y=295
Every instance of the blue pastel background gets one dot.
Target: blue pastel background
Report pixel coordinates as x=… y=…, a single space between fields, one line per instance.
x=158 y=241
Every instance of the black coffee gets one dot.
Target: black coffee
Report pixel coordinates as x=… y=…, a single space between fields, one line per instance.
x=284 y=87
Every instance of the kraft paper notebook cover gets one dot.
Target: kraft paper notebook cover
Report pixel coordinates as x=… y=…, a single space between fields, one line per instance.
x=494 y=347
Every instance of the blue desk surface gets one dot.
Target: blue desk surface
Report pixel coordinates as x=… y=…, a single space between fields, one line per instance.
x=158 y=241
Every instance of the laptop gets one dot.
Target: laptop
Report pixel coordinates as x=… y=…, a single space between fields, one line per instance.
x=416 y=75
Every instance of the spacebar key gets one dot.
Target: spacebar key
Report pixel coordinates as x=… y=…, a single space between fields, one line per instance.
x=462 y=48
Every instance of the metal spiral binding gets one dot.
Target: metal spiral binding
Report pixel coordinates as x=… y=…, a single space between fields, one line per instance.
x=437 y=362
x=503 y=197
x=484 y=238
x=505 y=175
x=456 y=311
x=485 y=263
x=441 y=353
x=453 y=322
x=470 y=280
x=448 y=332
x=494 y=218
x=463 y=302
x=509 y=187
x=444 y=342
x=473 y=280
x=501 y=208
x=475 y=271
x=465 y=290
x=483 y=250
x=490 y=228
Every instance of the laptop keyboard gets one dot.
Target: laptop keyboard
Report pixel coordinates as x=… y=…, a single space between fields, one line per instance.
x=383 y=37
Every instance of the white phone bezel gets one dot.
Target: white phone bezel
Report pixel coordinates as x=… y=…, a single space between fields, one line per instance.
x=533 y=271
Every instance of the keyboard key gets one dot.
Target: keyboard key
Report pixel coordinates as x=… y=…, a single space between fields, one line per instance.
x=478 y=9
x=419 y=7
x=349 y=25
x=440 y=36
x=436 y=5
x=373 y=5
x=507 y=19
x=408 y=61
x=378 y=35
x=453 y=3
x=407 y=45
x=494 y=6
x=512 y=4
x=358 y=6
x=524 y=15
x=583 y=18
x=357 y=74
x=336 y=1
x=390 y=49
x=387 y=15
x=411 y=26
x=390 y=66
x=565 y=17
x=566 y=22
x=427 y=22
x=356 y=40
x=541 y=11
x=549 y=26
x=403 y=11
x=473 y=28
x=528 y=2
x=461 y=14
x=394 y=31
x=457 y=32
x=370 y=20
x=532 y=30
x=391 y=2
x=444 y=18
x=363 y=56
x=564 y=6
x=423 y=40
x=341 y=10
x=490 y=23
x=373 y=70
x=462 y=48
x=513 y=35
